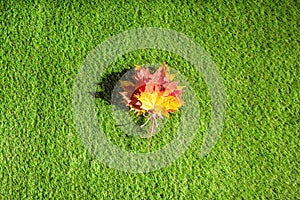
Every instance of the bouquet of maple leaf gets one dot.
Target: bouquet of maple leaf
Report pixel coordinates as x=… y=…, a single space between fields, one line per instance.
x=154 y=94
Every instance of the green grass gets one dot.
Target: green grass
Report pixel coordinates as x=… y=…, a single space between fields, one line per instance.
x=255 y=47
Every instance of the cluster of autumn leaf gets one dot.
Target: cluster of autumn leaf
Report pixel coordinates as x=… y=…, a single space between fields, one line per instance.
x=156 y=94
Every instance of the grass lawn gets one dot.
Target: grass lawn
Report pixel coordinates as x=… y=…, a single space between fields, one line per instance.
x=255 y=47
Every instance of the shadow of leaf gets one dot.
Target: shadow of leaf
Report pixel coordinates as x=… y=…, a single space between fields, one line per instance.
x=107 y=84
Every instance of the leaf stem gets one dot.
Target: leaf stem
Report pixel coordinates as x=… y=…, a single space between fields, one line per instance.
x=152 y=129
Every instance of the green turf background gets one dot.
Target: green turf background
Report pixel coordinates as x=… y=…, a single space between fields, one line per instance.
x=255 y=47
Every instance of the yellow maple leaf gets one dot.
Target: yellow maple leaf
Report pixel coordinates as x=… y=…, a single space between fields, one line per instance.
x=158 y=103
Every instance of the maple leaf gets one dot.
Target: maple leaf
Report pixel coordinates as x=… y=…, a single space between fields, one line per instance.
x=155 y=93
x=156 y=103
